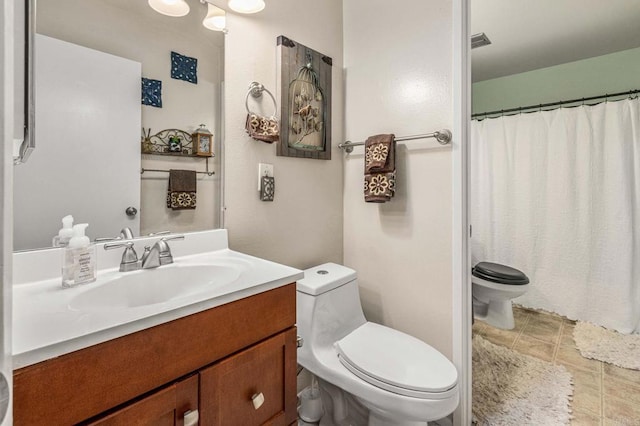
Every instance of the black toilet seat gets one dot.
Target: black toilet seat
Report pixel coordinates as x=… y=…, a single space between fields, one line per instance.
x=500 y=274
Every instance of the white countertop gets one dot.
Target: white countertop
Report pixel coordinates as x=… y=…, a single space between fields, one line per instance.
x=44 y=326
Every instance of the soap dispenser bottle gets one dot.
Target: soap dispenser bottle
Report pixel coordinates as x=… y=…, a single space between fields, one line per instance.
x=65 y=233
x=79 y=263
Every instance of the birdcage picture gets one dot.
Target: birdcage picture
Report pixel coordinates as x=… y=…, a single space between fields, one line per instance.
x=306 y=109
x=305 y=91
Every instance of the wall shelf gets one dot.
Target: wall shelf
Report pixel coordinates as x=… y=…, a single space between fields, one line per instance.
x=172 y=142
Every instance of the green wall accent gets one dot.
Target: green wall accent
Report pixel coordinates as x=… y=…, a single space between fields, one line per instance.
x=615 y=72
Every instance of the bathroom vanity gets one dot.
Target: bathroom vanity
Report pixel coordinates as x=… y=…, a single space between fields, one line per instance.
x=223 y=355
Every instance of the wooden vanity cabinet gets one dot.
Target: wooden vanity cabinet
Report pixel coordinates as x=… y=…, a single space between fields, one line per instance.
x=218 y=362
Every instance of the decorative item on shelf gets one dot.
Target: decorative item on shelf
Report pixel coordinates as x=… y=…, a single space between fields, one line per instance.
x=147 y=145
x=175 y=143
x=152 y=92
x=305 y=79
x=203 y=141
x=184 y=68
x=168 y=142
x=259 y=127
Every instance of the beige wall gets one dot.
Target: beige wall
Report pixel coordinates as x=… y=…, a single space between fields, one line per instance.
x=303 y=225
x=399 y=80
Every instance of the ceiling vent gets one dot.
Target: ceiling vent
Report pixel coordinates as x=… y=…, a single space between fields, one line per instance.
x=479 y=40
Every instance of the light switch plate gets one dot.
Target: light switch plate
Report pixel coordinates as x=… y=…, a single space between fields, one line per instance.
x=264 y=169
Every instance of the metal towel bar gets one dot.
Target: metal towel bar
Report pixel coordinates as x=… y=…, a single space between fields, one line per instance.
x=143 y=170
x=443 y=137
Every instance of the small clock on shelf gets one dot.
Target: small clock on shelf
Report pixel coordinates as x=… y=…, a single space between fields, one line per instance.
x=203 y=142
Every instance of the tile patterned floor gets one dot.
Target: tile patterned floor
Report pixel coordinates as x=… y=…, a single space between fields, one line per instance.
x=604 y=395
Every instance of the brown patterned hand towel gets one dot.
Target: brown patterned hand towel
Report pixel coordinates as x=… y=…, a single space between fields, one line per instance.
x=182 y=189
x=379 y=168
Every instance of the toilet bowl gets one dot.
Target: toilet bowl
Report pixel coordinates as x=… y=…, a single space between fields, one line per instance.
x=369 y=374
x=494 y=287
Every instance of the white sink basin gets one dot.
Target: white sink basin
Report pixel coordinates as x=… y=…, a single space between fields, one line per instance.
x=153 y=286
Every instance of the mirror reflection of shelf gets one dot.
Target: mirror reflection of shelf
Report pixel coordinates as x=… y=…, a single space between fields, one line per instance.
x=173 y=142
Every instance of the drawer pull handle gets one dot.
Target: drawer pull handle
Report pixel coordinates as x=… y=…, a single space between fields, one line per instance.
x=258 y=400
x=191 y=418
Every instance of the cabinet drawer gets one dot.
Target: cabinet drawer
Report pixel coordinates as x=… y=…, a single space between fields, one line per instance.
x=266 y=369
x=166 y=407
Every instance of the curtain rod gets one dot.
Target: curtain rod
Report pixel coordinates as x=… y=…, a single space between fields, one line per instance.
x=540 y=106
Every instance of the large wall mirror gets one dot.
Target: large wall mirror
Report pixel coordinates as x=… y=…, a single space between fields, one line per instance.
x=90 y=59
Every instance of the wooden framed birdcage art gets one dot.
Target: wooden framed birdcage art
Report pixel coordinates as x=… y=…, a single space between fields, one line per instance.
x=304 y=78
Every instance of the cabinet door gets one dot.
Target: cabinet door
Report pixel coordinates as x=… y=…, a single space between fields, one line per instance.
x=254 y=387
x=166 y=407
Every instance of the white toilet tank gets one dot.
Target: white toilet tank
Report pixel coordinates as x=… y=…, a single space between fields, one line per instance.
x=328 y=305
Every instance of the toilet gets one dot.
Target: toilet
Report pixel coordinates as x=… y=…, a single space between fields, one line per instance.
x=368 y=374
x=493 y=287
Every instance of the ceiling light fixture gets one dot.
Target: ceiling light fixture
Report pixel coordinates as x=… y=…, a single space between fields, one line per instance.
x=246 y=6
x=174 y=8
x=216 y=19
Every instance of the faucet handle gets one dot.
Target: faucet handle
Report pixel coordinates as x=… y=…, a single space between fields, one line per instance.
x=125 y=234
x=153 y=234
x=163 y=247
x=129 y=260
x=111 y=246
x=164 y=251
x=103 y=239
x=174 y=237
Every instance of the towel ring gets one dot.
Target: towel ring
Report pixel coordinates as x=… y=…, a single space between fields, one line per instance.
x=255 y=90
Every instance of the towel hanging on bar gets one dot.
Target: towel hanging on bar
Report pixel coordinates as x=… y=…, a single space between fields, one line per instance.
x=379 y=168
x=181 y=194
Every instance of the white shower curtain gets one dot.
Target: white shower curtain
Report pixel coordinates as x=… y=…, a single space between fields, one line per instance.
x=556 y=194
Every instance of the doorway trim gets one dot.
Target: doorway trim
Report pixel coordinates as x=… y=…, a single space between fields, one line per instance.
x=11 y=16
x=461 y=273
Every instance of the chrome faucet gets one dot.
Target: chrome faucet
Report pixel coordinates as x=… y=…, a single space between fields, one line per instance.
x=129 y=260
x=159 y=254
x=125 y=234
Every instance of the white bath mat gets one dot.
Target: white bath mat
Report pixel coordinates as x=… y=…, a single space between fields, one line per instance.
x=596 y=342
x=513 y=389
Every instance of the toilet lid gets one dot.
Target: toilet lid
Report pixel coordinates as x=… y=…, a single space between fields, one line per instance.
x=397 y=362
x=498 y=273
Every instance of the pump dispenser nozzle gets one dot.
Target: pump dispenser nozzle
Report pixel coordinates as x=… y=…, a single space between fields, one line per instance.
x=79 y=240
x=65 y=233
x=67 y=222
